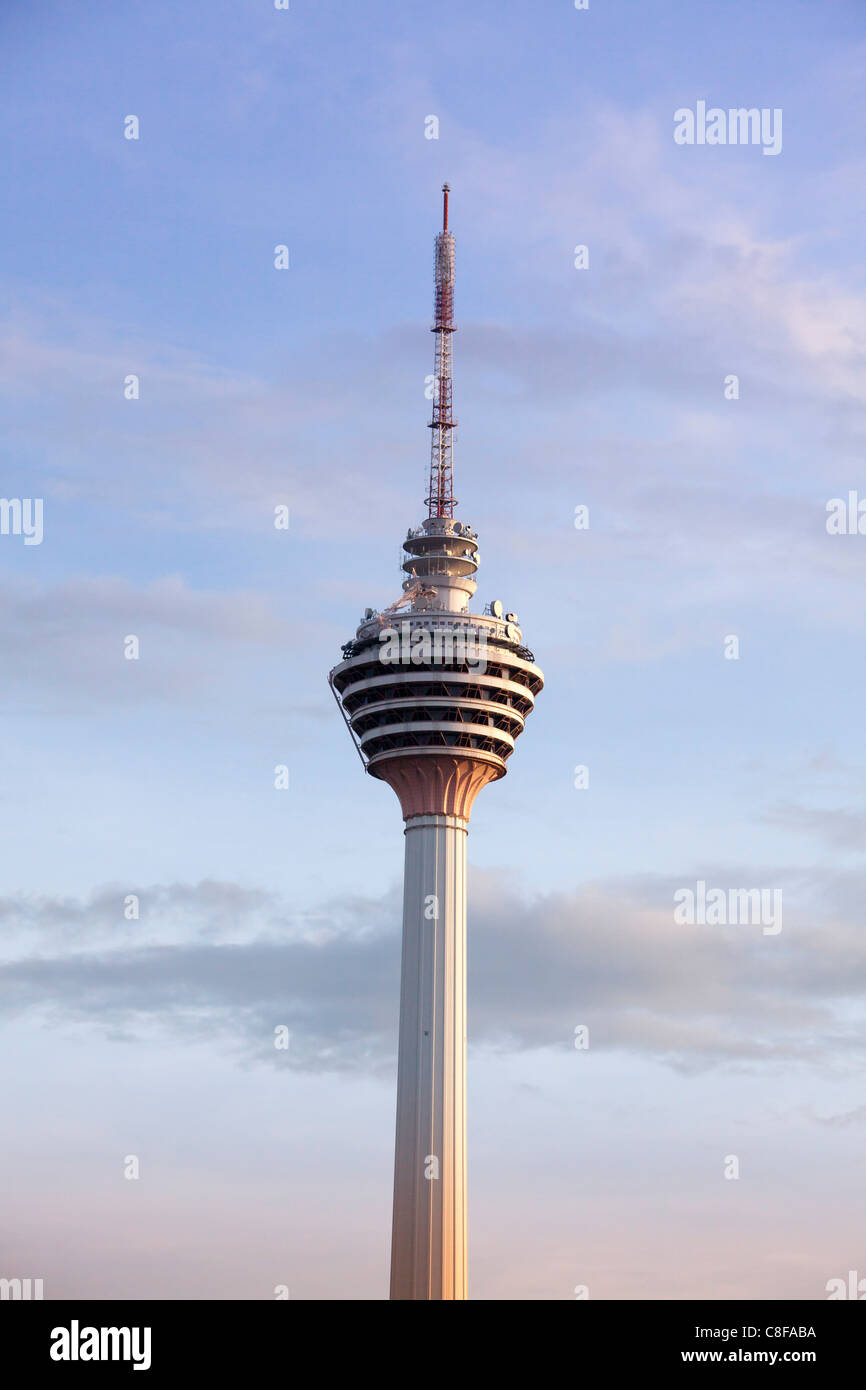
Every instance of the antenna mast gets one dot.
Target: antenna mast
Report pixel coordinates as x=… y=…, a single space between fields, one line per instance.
x=440 y=498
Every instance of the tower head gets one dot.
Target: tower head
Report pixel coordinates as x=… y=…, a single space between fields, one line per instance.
x=436 y=696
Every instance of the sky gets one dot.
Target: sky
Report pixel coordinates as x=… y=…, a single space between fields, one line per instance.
x=737 y=764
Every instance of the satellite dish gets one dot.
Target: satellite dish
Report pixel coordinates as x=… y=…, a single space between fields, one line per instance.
x=496 y=608
x=511 y=633
x=369 y=613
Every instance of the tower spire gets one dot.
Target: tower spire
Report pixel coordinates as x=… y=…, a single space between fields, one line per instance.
x=440 y=497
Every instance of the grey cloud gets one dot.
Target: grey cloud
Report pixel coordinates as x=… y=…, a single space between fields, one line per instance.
x=236 y=964
x=63 y=643
x=840 y=828
x=846 y=1119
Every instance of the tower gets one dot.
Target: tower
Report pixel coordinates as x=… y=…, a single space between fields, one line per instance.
x=435 y=698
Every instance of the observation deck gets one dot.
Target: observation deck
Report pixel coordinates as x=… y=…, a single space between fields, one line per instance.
x=436 y=681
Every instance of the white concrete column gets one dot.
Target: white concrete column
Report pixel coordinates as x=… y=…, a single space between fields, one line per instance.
x=428 y=1239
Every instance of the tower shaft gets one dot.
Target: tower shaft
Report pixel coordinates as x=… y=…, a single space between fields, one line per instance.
x=428 y=1248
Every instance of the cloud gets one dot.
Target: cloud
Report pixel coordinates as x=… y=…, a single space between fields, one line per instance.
x=839 y=828
x=217 y=960
x=64 y=642
x=846 y=1119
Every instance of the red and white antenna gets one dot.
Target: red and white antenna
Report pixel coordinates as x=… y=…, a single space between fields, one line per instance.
x=440 y=498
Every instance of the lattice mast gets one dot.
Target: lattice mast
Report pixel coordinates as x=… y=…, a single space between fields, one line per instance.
x=440 y=498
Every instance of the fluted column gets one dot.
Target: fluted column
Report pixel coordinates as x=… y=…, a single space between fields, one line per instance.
x=428 y=1244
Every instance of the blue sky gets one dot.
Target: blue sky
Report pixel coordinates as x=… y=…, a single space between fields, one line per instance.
x=601 y=387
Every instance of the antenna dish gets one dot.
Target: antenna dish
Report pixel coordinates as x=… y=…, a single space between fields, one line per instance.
x=496 y=608
x=511 y=633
